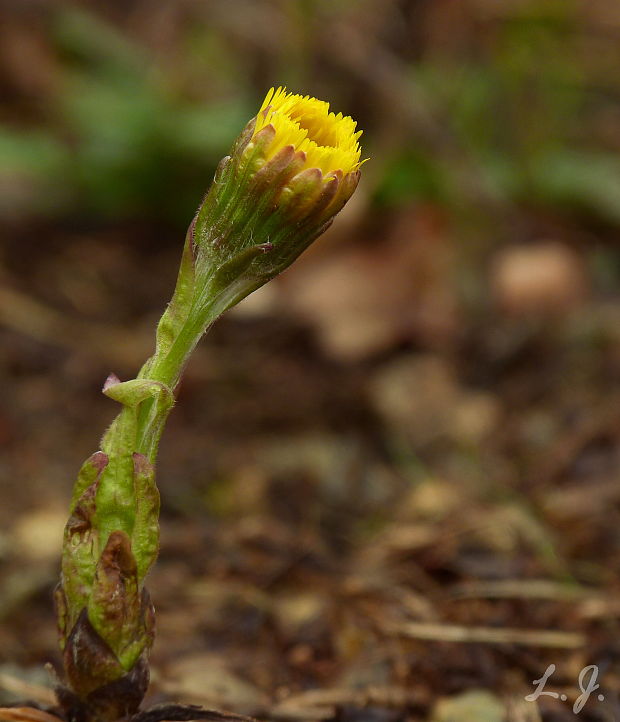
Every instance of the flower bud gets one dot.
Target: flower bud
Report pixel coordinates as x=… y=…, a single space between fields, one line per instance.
x=290 y=172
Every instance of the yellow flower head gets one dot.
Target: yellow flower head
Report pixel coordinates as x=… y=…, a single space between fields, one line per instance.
x=289 y=173
x=329 y=141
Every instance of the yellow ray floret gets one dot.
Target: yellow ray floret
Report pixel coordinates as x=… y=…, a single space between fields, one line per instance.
x=329 y=141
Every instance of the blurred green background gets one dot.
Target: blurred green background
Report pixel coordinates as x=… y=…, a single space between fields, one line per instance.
x=108 y=107
x=419 y=422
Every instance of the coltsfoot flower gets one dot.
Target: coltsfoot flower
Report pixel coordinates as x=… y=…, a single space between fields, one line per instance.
x=289 y=173
x=323 y=146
